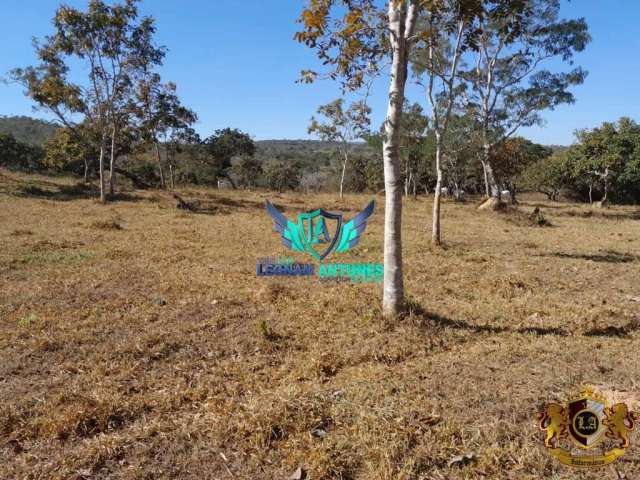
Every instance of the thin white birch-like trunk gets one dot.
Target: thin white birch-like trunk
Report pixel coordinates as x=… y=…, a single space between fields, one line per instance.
x=160 y=169
x=103 y=196
x=486 y=179
x=435 y=229
x=441 y=124
x=344 y=169
x=402 y=17
x=112 y=161
x=494 y=190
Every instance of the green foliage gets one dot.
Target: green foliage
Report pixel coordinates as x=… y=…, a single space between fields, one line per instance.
x=248 y=170
x=262 y=329
x=512 y=156
x=607 y=159
x=508 y=87
x=341 y=125
x=223 y=146
x=282 y=176
x=69 y=151
x=27 y=320
x=548 y=175
x=604 y=164
x=57 y=257
x=18 y=155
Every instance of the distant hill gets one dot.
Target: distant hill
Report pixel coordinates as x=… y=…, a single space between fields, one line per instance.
x=311 y=155
x=558 y=148
x=278 y=147
x=27 y=130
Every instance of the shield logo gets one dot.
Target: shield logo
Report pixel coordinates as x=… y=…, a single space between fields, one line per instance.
x=317 y=233
x=586 y=416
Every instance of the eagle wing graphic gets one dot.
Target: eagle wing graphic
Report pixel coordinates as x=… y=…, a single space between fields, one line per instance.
x=352 y=230
x=289 y=231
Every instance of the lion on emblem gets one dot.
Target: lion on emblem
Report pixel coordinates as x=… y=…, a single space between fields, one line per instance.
x=620 y=421
x=553 y=420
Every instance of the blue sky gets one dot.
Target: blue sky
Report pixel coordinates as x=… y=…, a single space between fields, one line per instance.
x=235 y=64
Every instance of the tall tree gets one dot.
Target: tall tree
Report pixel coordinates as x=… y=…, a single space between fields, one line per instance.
x=506 y=86
x=354 y=38
x=342 y=126
x=162 y=119
x=110 y=44
x=445 y=35
x=223 y=146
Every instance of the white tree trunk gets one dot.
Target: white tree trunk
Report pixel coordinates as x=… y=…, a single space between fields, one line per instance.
x=487 y=192
x=103 y=196
x=435 y=231
x=112 y=161
x=401 y=22
x=494 y=190
x=160 y=169
x=344 y=169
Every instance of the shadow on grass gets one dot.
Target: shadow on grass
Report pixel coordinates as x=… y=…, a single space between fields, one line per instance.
x=238 y=203
x=429 y=318
x=612 y=331
x=61 y=193
x=542 y=205
x=603 y=214
x=65 y=193
x=609 y=256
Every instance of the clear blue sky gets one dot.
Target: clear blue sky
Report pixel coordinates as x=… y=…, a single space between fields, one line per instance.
x=235 y=64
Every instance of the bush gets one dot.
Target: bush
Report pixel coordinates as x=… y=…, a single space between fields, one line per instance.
x=282 y=176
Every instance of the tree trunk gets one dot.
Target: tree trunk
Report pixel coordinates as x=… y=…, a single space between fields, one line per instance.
x=494 y=190
x=606 y=187
x=86 y=170
x=103 y=196
x=591 y=194
x=112 y=161
x=435 y=231
x=160 y=169
x=233 y=184
x=401 y=22
x=493 y=201
x=171 y=177
x=344 y=169
x=486 y=180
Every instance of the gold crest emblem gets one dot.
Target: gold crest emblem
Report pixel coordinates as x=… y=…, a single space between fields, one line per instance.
x=587 y=421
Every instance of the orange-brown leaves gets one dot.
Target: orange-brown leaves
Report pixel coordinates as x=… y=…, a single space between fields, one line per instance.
x=348 y=38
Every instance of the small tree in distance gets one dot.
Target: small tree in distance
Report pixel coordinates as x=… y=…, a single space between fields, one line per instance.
x=223 y=146
x=343 y=127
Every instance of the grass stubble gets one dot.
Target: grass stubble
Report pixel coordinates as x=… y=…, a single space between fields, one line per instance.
x=136 y=341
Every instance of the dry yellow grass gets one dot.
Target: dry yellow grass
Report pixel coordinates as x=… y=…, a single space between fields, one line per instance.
x=136 y=341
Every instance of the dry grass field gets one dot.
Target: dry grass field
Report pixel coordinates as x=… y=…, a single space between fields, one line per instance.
x=136 y=341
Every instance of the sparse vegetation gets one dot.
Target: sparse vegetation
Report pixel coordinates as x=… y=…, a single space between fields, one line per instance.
x=148 y=358
x=146 y=328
